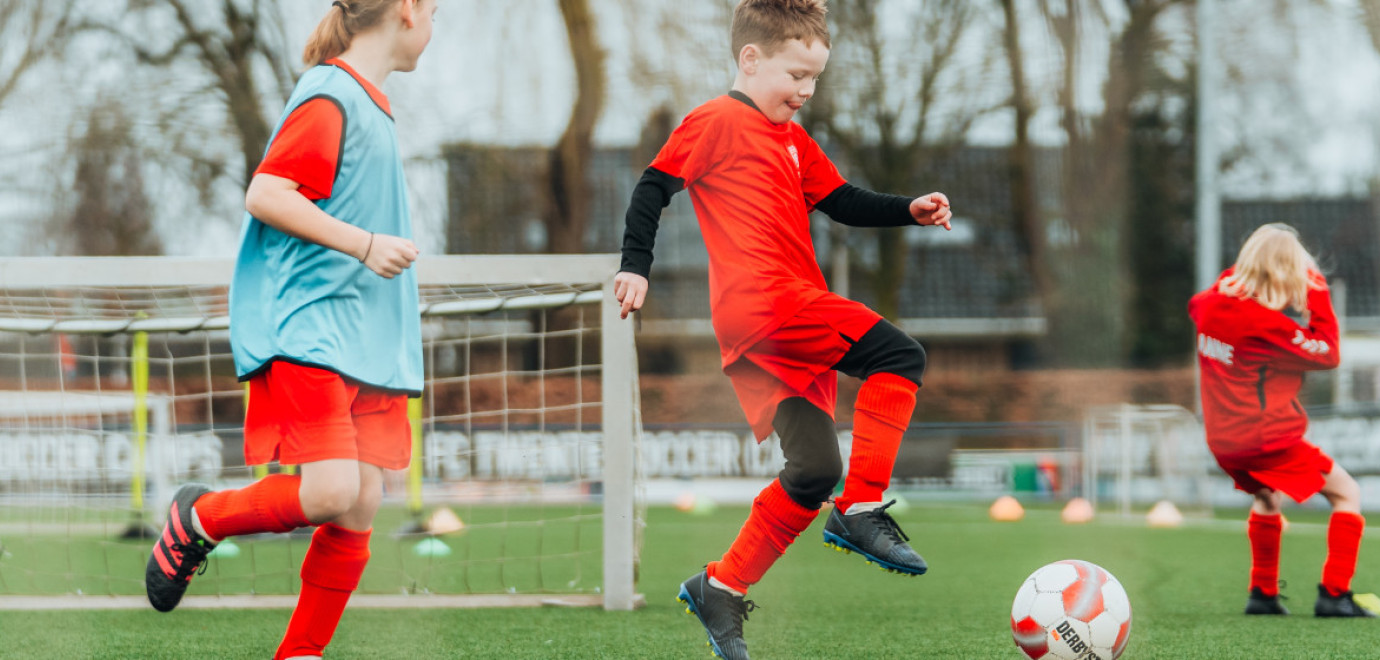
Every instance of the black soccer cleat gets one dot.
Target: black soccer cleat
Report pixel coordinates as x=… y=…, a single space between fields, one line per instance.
x=179 y=552
x=720 y=612
x=876 y=536
x=1259 y=603
x=1344 y=605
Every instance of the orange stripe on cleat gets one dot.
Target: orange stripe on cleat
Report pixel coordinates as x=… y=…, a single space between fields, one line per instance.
x=176 y=523
x=162 y=558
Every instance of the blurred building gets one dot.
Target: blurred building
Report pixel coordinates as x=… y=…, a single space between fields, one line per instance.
x=1341 y=233
x=968 y=291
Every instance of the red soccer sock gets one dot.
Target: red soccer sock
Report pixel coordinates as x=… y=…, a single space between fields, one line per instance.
x=330 y=573
x=270 y=504
x=880 y=418
x=1264 y=533
x=776 y=520
x=1343 y=543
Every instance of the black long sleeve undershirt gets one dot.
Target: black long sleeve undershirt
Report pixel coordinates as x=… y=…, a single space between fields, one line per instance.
x=652 y=193
x=848 y=204
x=860 y=207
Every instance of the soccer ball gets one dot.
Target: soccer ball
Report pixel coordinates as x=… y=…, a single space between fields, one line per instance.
x=1071 y=610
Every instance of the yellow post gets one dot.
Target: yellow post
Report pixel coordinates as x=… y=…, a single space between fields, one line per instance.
x=414 y=470
x=139 y=359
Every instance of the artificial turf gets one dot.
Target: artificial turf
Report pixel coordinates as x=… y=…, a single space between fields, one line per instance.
x=1186 y=585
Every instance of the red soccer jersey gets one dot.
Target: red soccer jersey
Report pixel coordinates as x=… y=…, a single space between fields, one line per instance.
x=753 y=184
x=1252 y=361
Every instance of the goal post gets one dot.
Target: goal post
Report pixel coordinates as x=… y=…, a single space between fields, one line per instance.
x=1137 y=455
x=528 y=422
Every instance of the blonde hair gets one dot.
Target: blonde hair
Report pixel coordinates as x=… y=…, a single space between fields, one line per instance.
x=1273 y=269
x=342 y=22
x=771 y=23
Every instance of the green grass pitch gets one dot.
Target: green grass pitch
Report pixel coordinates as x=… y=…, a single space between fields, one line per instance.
x=1187 y=588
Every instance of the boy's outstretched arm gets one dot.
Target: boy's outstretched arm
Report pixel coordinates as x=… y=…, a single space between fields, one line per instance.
x=652 y=193
x=859 y=207
x=932 y=209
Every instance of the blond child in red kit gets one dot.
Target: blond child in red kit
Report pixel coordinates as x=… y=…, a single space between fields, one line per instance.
x=1252 y=358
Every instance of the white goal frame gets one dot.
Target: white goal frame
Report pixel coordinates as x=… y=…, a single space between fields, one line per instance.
x=618 y=377
x=1145 y=454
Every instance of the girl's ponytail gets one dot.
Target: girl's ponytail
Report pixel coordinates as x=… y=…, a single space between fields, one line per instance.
x=335 y=31
x=330 y=38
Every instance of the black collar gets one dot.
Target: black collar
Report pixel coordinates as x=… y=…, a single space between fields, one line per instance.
x=744 y=98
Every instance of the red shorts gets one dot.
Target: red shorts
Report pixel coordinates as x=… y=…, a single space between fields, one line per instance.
x=303 y=414
x=1298 y=470
x=797 y=359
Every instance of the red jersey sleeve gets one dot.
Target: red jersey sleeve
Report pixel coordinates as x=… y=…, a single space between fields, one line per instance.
x=692 y=150
x=307 y=147
x=818 y=175
x=1305 y=349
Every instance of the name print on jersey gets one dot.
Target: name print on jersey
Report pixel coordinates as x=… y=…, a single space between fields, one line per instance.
x=1314 y=346
x=1216 y=349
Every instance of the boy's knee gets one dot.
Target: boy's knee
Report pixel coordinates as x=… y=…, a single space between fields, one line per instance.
x=328 y=501
x=810 y=484
x=904 y=357
x=885 y=349
x=366 y=506
x=1345 y=496
x=911 y=362
x=370 y=497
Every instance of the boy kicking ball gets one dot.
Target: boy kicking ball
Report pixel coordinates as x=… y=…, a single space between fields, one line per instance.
x=754 y=176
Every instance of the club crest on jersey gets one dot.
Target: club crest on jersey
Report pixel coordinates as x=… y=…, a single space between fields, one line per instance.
x=795 y=156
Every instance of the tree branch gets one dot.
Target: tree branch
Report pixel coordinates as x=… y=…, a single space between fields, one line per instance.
x=39 y=43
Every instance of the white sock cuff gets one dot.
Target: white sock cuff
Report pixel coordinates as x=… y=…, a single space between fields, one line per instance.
x=196 y=525
x=714 y=582
x=862 y=507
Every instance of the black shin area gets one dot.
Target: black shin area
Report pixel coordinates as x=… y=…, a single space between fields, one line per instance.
x=811 y=446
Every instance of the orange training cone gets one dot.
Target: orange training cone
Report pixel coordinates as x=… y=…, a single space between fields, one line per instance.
x=1077 y=511
x=444 y=521
x=1164 y=514
x=1006 y=509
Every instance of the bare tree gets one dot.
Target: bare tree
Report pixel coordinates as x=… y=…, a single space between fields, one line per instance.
x=238 y=44
x=30 y=30
x=1370 y=18
x=1088 y=315
x=568 y=208
x=884 y=117
x=1030 y=226
x=111 y=214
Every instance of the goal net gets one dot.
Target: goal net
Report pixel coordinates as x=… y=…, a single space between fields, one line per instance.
x=1135 y=456
x=117 y=385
